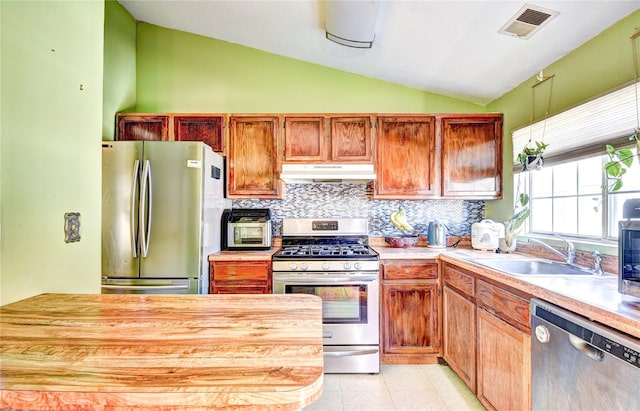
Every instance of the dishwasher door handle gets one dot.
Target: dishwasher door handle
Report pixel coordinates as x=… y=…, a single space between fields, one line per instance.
x=585 y=348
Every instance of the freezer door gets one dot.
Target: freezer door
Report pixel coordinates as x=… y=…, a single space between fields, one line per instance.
x=171 y=210
x=120 y=182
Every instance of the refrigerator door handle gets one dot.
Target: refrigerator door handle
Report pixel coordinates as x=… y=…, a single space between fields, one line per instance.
x=145 y=210
x=146 y=287
x=133 y=223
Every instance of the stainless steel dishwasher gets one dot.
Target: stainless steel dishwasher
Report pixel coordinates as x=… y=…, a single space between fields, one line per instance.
x=577 y=364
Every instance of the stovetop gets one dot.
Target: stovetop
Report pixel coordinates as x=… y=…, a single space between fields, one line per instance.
x=326 y=251
x=325 y=245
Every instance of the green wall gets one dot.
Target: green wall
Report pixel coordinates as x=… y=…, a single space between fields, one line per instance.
x=51 y=105
x=182 y=72
x=598 y=66
x=119 y=92
x=178 y=71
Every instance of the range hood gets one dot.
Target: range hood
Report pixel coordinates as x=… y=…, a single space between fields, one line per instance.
x=327 y=173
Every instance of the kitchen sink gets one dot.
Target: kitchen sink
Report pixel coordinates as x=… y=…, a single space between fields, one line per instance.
x=532 y=267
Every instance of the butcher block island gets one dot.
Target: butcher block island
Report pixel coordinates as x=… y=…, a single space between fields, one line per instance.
x=86 y=352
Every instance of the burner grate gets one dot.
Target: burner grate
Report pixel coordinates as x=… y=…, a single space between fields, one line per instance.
x=325 y=250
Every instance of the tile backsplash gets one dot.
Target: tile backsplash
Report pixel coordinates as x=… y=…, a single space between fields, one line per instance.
x=354 y=201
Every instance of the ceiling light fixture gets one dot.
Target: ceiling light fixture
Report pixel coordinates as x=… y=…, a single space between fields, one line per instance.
x=527 y=21
x=352 y=23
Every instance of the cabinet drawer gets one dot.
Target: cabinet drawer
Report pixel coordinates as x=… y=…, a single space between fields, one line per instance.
x=240 y=290
x=509 y=307
x=240 y=272
x=459 y=280
x=410 y=271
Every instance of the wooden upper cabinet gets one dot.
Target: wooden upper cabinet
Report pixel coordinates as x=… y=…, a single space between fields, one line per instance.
x=305 y=139
x=407 y=165
x=208 y=129
x=252 y=160
x=472 y=156
x=133 y=126
x=351 y=139
x=348 y=140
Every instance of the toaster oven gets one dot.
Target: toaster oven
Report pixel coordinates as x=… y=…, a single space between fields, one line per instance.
x=246 y=229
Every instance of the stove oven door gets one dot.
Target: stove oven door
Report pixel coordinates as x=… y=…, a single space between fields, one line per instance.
x=349 y=316
x=349 y=303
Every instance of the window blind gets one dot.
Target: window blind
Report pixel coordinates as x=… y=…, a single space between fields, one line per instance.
x=585 y=129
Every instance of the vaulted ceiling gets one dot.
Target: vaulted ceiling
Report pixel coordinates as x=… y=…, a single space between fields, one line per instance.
x=451 y=48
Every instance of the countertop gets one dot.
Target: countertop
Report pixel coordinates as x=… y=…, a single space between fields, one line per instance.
x=81 y=351
x=250 y=255
x=410 y=253
x=594 y=297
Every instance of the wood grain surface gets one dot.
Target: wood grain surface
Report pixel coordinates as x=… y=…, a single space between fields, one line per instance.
x=79 y=351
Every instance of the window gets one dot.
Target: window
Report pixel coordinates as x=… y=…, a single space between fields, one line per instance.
x=568 y=198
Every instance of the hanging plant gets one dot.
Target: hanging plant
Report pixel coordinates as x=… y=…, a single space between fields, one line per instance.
x=620 y=161
x=531 y=157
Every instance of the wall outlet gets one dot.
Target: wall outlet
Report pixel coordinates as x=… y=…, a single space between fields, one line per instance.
x=71 y=227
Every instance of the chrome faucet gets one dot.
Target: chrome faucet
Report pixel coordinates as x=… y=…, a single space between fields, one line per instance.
x=597 y=263
x=569 y=249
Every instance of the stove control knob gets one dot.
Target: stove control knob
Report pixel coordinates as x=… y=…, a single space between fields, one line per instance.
x=357 y=266
x=304 y=266
x=347 y=266
x=325 y=266
x=293 y=266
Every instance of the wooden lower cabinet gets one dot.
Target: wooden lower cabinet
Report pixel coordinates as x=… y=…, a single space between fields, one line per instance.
x=410 y=323
x=487 y=338
x=459 y=335
x=504 y=364
x=240 y=277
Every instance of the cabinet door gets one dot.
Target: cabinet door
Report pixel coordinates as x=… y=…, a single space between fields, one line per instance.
x=305 y=139
x=406 y=158
x=459 y=336
x=504 y=364
x=472 y=157
x=410 y=319
x=253 y=160
x=351 y=139
x=200 y=128
x=142 y=127
x=241 y=277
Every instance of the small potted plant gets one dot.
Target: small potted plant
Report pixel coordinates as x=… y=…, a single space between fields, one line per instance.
x=531 y=156
x=512 y=226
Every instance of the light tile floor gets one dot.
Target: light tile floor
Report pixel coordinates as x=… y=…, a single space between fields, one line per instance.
x=430 y=387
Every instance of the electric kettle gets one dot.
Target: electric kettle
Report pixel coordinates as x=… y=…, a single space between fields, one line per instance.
x=436 y=236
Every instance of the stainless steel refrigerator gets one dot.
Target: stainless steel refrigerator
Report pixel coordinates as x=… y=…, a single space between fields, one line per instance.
x=162 y=204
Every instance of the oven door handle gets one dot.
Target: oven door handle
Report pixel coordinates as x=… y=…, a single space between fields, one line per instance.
x=350 y=353
x=324 y=280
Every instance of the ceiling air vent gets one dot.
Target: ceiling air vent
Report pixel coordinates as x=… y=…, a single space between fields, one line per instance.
x=527 y=21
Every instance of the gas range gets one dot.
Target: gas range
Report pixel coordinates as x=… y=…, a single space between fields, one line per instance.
x=325 y=245
x=331 y=259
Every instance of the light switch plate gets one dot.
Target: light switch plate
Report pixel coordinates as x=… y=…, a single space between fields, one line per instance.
x=71 y=227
